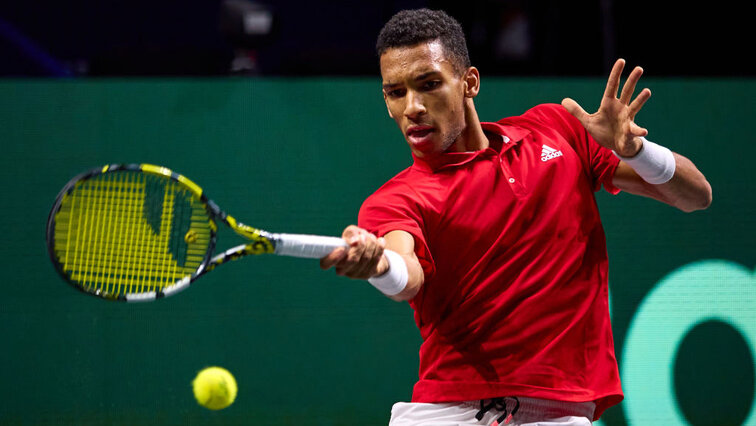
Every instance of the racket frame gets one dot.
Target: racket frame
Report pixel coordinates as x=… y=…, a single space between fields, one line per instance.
x=261 y=241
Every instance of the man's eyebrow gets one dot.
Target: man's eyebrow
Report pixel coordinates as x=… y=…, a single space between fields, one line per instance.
x=425 y=75
x=420 y=77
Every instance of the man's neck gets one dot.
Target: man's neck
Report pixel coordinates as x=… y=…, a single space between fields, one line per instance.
x=472 y=138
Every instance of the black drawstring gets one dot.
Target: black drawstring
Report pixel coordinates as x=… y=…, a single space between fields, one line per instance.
x=500 y=404
x=484 y=408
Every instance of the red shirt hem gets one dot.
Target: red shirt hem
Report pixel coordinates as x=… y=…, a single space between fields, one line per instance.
x=433 y=391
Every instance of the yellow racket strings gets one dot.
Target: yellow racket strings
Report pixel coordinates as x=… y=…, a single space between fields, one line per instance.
x=129 y=232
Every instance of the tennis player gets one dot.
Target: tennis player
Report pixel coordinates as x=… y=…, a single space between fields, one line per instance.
x=495 y=237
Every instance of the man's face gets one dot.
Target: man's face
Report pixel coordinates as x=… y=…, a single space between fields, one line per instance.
x=424 y=95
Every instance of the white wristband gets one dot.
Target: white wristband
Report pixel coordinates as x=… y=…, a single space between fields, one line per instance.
x=393 y=281
x=654 y=163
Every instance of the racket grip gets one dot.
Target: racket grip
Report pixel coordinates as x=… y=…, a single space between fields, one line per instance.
x=307 y=246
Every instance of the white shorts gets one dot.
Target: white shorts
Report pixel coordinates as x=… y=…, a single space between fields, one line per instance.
x=532 y=412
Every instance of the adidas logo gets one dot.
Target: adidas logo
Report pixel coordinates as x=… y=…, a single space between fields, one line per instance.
x=547 y=153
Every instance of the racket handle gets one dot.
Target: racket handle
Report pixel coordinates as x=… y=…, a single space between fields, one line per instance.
x=308 y=246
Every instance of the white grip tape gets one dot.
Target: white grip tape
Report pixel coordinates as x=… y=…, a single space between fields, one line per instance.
x=394 y=280
x=654 y=163
x=307 y=246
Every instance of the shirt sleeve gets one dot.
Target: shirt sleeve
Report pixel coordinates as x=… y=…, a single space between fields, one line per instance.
x=599 y=162
x=392 y=210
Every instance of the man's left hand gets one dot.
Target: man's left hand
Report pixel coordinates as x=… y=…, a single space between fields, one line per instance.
x=613 y=125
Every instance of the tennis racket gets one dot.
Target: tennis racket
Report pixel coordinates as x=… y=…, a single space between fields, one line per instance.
x=139 y=232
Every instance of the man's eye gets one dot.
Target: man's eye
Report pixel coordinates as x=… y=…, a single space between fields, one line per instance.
x=396 y=93
x=432 y=84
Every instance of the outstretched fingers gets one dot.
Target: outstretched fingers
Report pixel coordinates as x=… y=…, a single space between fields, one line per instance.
x=629 y=87
x=637 y=130
x=575 y=109
x=612 y=85
x=639 y=101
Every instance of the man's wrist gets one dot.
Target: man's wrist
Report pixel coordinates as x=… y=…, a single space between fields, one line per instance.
x=654 y=163
x=394 y=278
x=638 y=146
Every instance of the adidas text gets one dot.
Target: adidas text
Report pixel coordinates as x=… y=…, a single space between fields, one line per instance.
x=548 y=153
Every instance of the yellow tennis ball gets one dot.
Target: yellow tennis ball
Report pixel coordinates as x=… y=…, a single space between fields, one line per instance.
x=215 y=388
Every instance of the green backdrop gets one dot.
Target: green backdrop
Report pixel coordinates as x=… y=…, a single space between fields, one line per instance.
x=307 y=346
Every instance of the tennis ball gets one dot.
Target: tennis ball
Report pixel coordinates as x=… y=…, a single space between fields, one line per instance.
x=215 y=388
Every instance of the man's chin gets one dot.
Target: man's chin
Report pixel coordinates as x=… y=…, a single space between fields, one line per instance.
x=424 y=145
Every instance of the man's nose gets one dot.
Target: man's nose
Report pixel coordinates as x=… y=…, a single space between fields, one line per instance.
x=415 y=106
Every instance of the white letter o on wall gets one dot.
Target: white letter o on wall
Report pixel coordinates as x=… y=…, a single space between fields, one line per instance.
x=692 y=294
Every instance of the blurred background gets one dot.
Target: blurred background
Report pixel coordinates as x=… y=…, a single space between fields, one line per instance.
x=295 y=37
x=275 y=109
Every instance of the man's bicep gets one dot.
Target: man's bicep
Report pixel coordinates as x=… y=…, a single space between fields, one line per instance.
x=401 y=242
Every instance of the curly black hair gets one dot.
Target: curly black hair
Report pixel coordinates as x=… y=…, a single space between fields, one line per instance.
x=410 y=27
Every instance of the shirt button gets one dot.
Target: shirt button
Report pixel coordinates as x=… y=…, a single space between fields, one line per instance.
x=511 y=180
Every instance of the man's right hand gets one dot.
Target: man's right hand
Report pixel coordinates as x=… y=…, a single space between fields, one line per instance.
x=362 y=259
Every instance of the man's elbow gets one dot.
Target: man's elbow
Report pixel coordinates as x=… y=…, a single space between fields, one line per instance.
x=701 y=201
x=707 y=198
x=407 y=294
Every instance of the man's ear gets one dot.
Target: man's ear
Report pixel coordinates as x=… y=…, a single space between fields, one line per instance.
x=472 y=82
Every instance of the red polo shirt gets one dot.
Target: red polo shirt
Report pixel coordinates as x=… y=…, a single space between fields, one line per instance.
x=515 y=299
